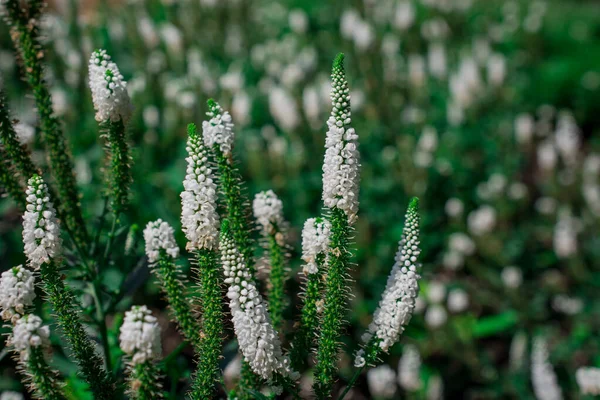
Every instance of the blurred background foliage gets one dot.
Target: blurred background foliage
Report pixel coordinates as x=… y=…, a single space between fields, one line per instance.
x=489 y=111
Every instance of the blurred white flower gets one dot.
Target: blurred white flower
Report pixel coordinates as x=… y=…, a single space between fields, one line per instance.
x=409 y=369
x=8 y=395
x=454 y=207
x=140 y=335
x=283 y=108
x=382 y=382
x=482 y=220
x=546 y=205
x=461 y=243
x=435 y=385
x=512 y=277
x=298 y=21
x=518 y=351
x=25 y=133
x=241 y=107
x=543 y=378
x=567 y=305
x=458 y=300
x=453 y=260
x=436 y=316
x=588 y=380
x=565 y=235
x=437 y=60
x=524 y=128
x=416 y=70
x=496 y=69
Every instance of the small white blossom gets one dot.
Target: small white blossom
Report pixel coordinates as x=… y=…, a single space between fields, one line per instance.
x=565 y=235
x=524 y=128
x=398 y=300
x=268 y=211
x=454 y=207
x=409 y=369
x=436 y=316
x=588 y=379
x=158 y=236
x=283 y=108
x=435 y=388
x=258 y=340
x=315 y=241
x=458 y=300
x=382 y=382
x=28 y=332
x=543 y=378
x=25 y=133
x=218 y=130
x=461 y=243
x=341 y=163
x=482 y=220
x=567 y=305
x=199 y=217
x=109 y=89
x=17 y=292
x=404 y=15
x=41 y=232
x=140 y=335
x=436 y=292
x=512 y=277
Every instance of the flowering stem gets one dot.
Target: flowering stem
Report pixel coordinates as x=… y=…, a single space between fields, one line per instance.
x=63 y=302
x=277 y=280
x=175 y=291
x=120 y=175
x=352 y=381
x=24 y=33
x=334 y=305
x=209 y=281
x=144 y=381
x=44 y=380
x=9 y=182
x=309 y=319
x=101 y=319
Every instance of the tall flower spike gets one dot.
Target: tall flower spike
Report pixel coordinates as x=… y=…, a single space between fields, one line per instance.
x=31 y=341
x=341 y=163
x=42 y=248
x=162 y=250
x=24 y=32
x=218 y=130
x=113 y=110
x=268 y=211
x=315 y=245
x=41 y=233
x=588 y=380
x=543 y=378
x=109 y=89
x=398 y=300
x=258 y=340
x=17 y=292
x=340 y=195
x=199 y=217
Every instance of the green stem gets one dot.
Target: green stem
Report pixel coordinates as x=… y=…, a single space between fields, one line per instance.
x=351 y=383
x=64 y=305
x=172 y=285
x=44 y=380
x=309 y=319
x=144 y=382
x=209 y=281
x=101 y=319
x=336 y=293
x=276 y=293
x=120 y=171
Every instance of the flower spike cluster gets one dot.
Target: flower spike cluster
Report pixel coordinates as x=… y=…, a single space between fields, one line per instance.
x=17 y=292
x=140 y=335
x=29 y=332
x=158 y=236
x=218 y=129
x=315 y=240
x=41 y=232
x=398 y=300
x=109 y=89
x=199 y=217
x=268 y=211
x=543 y=378
x=341 y=163
x=257 y=338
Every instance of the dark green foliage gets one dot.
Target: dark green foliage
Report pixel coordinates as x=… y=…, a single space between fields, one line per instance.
x=144 y=381
x=276 y=295
x=9 y=182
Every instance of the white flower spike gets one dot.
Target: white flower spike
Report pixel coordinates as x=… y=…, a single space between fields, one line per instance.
x=199 y=217
x=543 y=378
x=158 y=236
x=315 y=241
x=258 y=340
x=341 y=163
x=218 y=129
x=140 y=335
x=109 y=89
x=268 y=211
x=29 y=332
x=17 y=292
x=41 y=233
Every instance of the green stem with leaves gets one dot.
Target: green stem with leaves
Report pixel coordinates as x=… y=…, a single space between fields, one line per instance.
x=66 y=310
x=172 y=284
x=120 y=170
x=211 y=305
x=144 y=381
x=44 y=381
x=334 y=307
